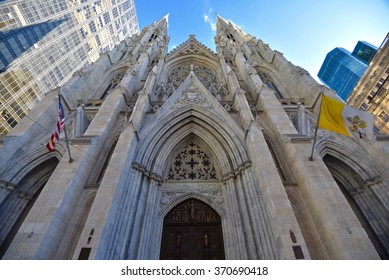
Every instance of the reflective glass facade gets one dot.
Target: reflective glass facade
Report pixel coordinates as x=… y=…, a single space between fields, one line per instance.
x=364 y=52
x=341 y=71
x=42 y=43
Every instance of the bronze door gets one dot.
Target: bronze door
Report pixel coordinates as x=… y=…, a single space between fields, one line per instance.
x=192 y=231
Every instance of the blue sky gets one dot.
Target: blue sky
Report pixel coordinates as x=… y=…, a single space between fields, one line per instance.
x=303 y=30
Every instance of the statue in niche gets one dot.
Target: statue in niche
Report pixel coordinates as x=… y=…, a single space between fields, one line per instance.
x=192 y=211
x=178 y=240
x=206 y=239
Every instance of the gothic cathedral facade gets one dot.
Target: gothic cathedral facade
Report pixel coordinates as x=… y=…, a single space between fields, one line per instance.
x=191 y=154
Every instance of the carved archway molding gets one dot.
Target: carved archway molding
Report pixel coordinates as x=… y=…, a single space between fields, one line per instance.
x=28 y=161
x=228 y=149
x=365 y=167
x=207 y=197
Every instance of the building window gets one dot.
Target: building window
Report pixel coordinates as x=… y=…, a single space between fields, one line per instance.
x=364 y=107
x=384 y=116
x=8 y=118
x=229 y=36
x=107 y=18
x=92 y=26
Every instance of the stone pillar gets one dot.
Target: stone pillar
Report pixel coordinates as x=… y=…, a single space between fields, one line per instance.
x=119 y=180
x=234 y=240
x=270 y=185
x=275 y=114
x=375 y=213
x=149 y=235
x=251 y=242
x=81 y=121
x=380 y=189
x=247 y=71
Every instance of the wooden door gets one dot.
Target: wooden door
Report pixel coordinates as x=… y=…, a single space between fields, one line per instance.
x=192 y=231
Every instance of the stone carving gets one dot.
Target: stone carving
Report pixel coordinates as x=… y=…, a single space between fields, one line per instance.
x=228 y=106
x=83 y=71
x=179 y=73
x=254 y=107
x=167 y=197
x=192 y=164
x=192 y=211
x=116 y=79
x=192 y=97
x=164 y=91
x=373 y=181
x=301 y=71
x=216 y=196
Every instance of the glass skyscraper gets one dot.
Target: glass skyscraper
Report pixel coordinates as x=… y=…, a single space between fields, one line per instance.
x=364 y=51
x=42 y=43
x=341 y=70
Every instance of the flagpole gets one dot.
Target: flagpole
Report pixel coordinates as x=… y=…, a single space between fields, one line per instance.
x=317 y=124
x=66 y=134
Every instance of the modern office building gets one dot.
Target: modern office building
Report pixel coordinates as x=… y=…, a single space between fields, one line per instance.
x=42 y=43
x=372 y=91
x=364 y=51
x=341 y=70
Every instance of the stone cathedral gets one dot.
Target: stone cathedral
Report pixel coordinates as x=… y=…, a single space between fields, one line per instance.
x=191 y=154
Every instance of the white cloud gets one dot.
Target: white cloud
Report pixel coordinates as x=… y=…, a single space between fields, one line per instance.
x=207 y=16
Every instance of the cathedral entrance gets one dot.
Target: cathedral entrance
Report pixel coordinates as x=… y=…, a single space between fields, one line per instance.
x=192 y=231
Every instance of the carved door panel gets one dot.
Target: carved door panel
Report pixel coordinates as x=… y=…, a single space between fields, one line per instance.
x=192 y=231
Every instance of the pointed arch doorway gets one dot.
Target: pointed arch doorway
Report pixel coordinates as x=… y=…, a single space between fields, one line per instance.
x=192 y=231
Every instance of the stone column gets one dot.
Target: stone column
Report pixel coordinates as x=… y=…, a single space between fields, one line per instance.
x=145 y=225
x=380 y=189
x=81 y=122
x=149 y=237
x=375 y=212
x=105 y=215
x=270 y=185
x=235 y=246
x=247 y=71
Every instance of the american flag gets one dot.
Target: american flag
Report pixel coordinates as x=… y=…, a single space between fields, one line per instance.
x=59 y=127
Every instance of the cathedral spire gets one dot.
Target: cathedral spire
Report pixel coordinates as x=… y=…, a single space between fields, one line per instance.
x=163 y=21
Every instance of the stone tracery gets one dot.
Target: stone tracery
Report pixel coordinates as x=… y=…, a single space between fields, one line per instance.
x=178 y=74
x=192 y=164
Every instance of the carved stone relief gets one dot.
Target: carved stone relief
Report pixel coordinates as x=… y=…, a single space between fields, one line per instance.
x=192 y=97
x=172 y=191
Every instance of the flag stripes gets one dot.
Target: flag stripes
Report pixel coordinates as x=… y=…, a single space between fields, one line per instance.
x=58 y=128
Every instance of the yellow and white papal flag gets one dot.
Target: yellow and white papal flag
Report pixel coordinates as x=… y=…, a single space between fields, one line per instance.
x=337 y=117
